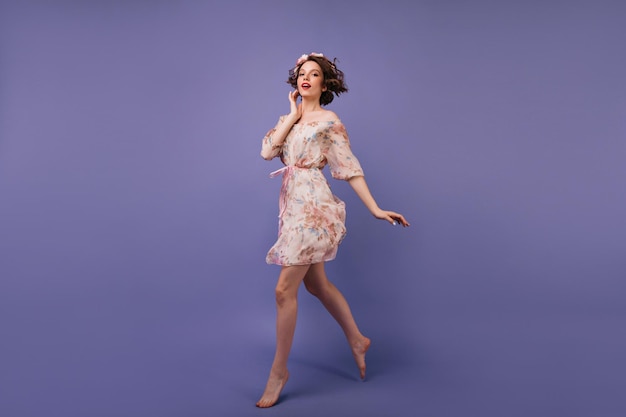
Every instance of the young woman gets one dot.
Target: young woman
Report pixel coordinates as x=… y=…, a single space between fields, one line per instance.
x=312 y=219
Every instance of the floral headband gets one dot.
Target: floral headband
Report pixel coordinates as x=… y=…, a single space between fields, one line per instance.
x=304 y=57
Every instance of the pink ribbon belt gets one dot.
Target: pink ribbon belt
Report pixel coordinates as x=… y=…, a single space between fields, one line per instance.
x=280 y=171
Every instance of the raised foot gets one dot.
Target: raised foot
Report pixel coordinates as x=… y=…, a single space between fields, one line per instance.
x=272 y=390
x=359 y=350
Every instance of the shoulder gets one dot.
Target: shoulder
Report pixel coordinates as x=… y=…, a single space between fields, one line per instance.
x=329 y=116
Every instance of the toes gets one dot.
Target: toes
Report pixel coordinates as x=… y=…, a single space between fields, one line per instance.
x=264 y=404
x=359 y=356
x=272 y=392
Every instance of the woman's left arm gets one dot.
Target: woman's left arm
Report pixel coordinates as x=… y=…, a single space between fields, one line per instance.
x=362 y=190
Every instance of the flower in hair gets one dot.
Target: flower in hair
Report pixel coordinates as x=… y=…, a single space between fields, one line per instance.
x=304 y=57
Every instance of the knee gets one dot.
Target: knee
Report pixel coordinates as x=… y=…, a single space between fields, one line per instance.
x=283 y=296
x=313 y=289
x=317 y=289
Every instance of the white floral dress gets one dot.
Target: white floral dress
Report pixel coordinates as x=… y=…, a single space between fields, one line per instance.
x=311 y=218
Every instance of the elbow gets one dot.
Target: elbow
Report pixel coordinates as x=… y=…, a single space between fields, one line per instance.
x=265 y=155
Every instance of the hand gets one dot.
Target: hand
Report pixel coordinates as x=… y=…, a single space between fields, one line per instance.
x=296 y=109
x=392 y=217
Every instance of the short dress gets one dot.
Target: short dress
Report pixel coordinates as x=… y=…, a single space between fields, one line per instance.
x=311 y=219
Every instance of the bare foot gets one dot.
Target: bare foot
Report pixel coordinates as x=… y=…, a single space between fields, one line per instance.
x=272 y=390
x=359 y=350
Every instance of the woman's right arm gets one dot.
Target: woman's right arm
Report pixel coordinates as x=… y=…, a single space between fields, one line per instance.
x=274 y=139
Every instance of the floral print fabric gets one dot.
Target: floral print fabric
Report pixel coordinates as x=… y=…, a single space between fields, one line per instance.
x=311 y=218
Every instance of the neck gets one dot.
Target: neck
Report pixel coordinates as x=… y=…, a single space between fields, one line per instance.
x=310 y=104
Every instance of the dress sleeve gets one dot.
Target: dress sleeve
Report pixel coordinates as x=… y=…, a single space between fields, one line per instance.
x=336 y=148
x=268 y=149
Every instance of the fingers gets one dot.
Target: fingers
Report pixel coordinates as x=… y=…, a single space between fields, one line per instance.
x=295 y=107
x=403 y=221
x=396 y=218
x=293 y=96
x=391 y=220
x=400 y=218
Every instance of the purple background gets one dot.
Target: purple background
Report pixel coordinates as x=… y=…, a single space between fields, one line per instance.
x=136 y=212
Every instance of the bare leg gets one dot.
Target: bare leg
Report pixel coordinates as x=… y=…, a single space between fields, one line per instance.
x=286 y=313
x=318 y=284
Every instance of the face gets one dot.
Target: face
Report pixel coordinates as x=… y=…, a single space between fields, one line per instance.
x=311 y=80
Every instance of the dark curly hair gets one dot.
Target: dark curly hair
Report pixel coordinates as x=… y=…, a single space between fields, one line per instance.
x=333 y=78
